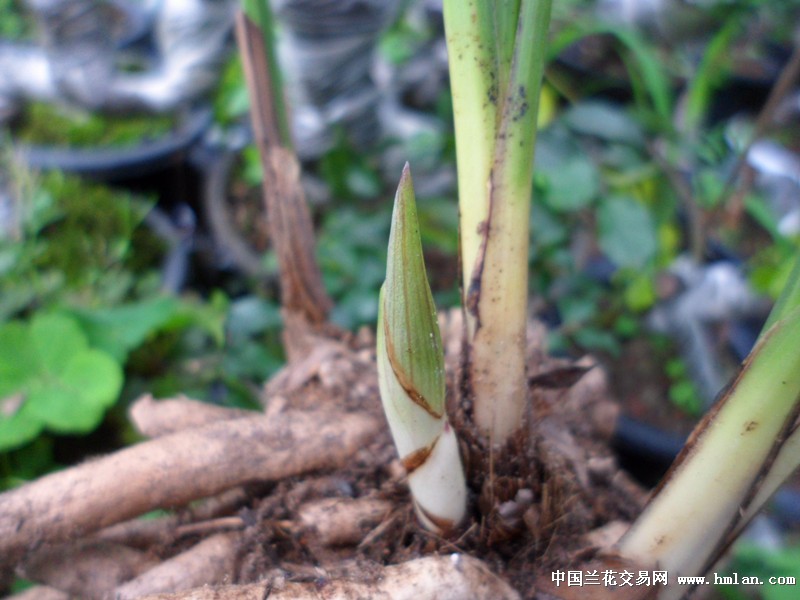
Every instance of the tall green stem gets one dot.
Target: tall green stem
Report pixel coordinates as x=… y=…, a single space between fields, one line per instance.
x=474 y=87
x=495 y=104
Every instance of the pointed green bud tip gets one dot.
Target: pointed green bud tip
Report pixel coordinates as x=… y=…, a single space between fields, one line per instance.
x=413 y=341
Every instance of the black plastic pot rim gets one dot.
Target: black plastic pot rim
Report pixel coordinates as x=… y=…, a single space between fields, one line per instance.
x=111 y=163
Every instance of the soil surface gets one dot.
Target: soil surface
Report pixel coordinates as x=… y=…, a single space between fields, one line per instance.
x=555 y=484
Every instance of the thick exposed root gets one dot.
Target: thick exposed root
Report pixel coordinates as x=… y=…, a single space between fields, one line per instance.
x=210 y=515
x=172 y=471
x=453 y=577
x=89 y=570
x=341 y=522
x=40 y=592
x=154 y=418
x=209 y=562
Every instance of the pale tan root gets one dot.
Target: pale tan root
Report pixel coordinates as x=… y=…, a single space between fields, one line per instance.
x=154 y=418
x=301 y=370
x=452 y=577
x=331 y=521
x=174 y=470
x=209 y=562
x=145 y=533
x=39 y=592
x=606 y=536
x=342 y=521
x=89 y=570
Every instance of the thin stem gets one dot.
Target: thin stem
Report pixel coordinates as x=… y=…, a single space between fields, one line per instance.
x=291 y=229
x=260 y=15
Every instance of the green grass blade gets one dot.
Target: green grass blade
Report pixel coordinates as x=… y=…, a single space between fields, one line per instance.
x=710 y=75
x=648 y=77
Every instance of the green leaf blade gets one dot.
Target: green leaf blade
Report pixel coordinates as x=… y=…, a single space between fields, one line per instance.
x=120 y=329
x=17 y=427
x=517 y=129
x=506 y=17
x=56 y=339
x=627 y=232
x=51 y=378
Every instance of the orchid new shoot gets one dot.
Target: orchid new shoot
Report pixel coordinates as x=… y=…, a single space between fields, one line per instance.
x=496 y=52
x=411 y=374
x=737 y=457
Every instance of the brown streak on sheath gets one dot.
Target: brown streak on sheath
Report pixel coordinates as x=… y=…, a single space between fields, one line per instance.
x=402 y=378
x=473 y=295
x=412 y=462
x=445 y=525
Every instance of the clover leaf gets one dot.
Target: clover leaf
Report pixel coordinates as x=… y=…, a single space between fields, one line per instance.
x=50 y=378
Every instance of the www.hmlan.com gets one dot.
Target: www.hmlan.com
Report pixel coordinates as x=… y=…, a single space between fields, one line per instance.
x=736 y=579
x=613 y=578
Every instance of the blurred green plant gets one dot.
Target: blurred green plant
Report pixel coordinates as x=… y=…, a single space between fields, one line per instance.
x=50 y=377
x=53 y=125
x=352 y=251
x=641 y=180
x=349 y=174
x=683 y=392
x=757 y=561
x=83 y=323
x=230 y=101
x=221 y=351
x=72 y=241
x=400 y=42
x=14 y=25
x=605 y=225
